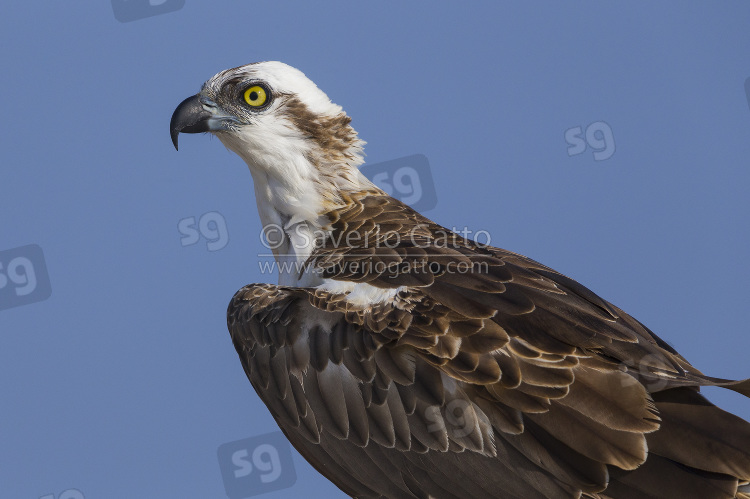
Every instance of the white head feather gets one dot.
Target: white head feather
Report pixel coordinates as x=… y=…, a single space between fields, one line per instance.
x=301 y=150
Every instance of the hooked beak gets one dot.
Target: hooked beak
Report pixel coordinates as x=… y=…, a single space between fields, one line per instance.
x=195 y=115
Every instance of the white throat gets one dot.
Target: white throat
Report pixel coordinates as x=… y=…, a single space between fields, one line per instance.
x=292 y=193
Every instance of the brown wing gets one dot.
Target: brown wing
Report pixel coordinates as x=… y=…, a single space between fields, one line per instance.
x=396 y=246
x=373 y=415
x=549 y=390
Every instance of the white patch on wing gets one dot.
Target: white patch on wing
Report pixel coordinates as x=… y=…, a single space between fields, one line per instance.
x=337 y=287
x=360 y=294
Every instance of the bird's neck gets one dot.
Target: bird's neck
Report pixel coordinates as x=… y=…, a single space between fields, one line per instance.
x=298 y=191
x=303 y=167
x=299 y=174
x=293 y=195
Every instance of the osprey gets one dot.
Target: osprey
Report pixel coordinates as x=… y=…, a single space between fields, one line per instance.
x=405 y=361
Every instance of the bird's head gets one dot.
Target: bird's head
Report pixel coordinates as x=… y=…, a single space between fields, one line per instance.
x=285 y=128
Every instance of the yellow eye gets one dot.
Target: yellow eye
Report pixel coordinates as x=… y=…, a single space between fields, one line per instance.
x=256 y=96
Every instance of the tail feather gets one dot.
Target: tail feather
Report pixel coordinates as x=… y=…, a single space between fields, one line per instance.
x=699 y=451
x=698 y=434
x=742 y=386
x=662 y=478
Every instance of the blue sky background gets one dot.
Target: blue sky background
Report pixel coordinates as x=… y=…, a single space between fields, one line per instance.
x=124 y=382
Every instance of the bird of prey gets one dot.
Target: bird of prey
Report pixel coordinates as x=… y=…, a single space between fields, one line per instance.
x=405 y=361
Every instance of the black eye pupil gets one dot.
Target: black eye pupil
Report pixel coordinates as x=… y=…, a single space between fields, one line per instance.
x=253 y=95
